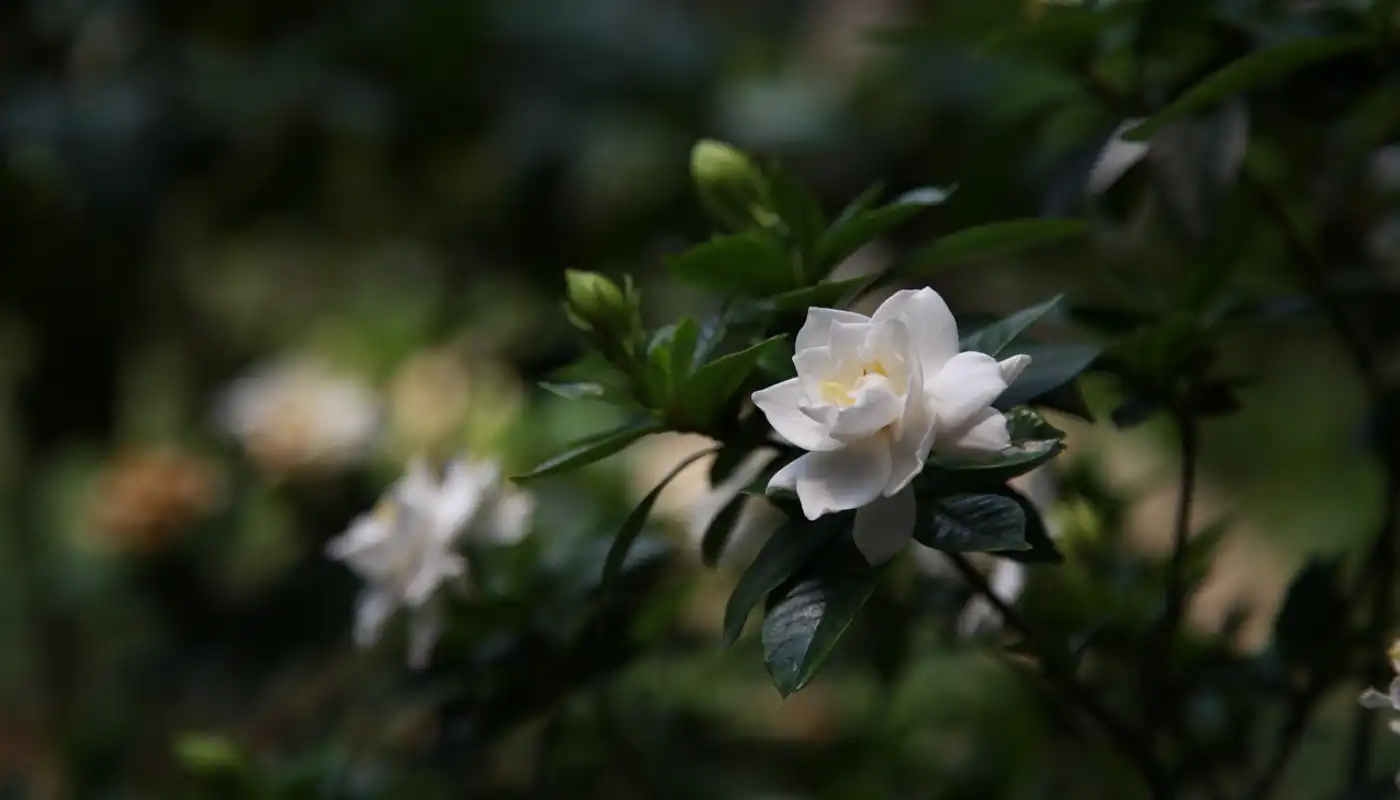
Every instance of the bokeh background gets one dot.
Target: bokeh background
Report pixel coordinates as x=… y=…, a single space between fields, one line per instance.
x=254 y=255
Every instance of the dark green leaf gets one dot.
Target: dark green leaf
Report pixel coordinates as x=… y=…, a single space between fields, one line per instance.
x=726 y=461
x=1041 y=548
x=659 y=374
x=718 y=531
x=807 y=618
x=684 y=342
x=987 y=241
x=713 y=384
x=849 y=234
x=971 y=523
x=790 y=548
x=825 y=295
x=801 y=215
x=1052 y=366
x=973 y=473
x=594 y=448
x=1027 y=428
x=995 y=337
x=743 y=263
x=1313 y=618
x=1246 y=73
x=632 y=526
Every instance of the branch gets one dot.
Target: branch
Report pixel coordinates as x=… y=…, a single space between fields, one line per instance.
x=1176 y=570
x=1119 y=734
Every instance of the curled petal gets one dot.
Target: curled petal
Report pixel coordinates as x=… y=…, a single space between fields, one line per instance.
x=933 y=331
x=963 y=388
x=986 y=432
x=876 y=405
x=838 y=480
x=816 y=331
x=913 y=434
x=885 y=526
x=1011 y=368
x=781 y=404
x=1374 y=699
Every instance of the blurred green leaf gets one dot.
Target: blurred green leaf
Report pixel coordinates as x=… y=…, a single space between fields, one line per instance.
x=826 y=294
x=742 y=263
x=971 y=523
x=1313 y=620
x=632 y=526
x=790 y=548
x=715 y=383
x=987 y=241
x=1245 y=74
x=802 y=215
x=594 y=448
x=995 y=337
x=849 y=233
x=807 y=619
x=717 y=533
x=684 y=342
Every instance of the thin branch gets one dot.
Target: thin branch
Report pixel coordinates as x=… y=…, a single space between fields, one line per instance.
x=1119 y=733
x=1176 y=571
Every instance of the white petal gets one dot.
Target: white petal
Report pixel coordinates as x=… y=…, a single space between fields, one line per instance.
x=1374 y=699
x=510 y=518
x=418 y=488
x=466 y=486
x=436 y=569
x=424 y=629
x=365 y=532
x=913 y=434
x=1117 y=157
x=1395 y=694
x=876 y=405
x=786 y=478
x=840 y=480
x=781 y=405
x=372 y=610
x=963 y=388
x=848 y=344
x=816 y=331
x=1011 y=368
x=885 y=526
x=986 y=432
x=1008 y=580
x=932 y=329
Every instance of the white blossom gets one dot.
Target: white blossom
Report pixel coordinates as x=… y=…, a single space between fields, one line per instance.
x=299 y=414
x=1374 y=698
x=406 y=548
x=872 y=397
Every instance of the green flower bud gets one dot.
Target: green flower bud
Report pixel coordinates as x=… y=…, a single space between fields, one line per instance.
x=731 y=188
x=597 y=305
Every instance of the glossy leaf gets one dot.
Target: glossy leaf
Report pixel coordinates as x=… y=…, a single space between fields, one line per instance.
x=1040 y=548
x=850 y=233
x=714 y=383
x=971 y=523
x=807 y=618
x=1052 y=366
x=717 y=533
x=792 y=547
x=1247 y=73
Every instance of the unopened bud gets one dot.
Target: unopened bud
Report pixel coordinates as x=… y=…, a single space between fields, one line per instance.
x=730 y=187
x=596 y=304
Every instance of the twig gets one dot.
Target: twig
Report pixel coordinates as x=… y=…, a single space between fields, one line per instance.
x=1120 y=735
x=1176 y=570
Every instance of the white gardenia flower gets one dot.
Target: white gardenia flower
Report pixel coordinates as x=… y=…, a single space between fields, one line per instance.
x=299 y=415
x=1374 y=698
x=406 y=549
x=872 y=397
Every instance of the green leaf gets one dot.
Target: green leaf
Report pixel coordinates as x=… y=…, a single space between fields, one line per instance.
x=1313 y=618
x=713 y=384
x=987 y=241
x=971 y=523
x=1041 y=548
x=827 y=294
x=964 y=473
x=632 y=526
x=1246 y=73
x=717 y=533
x=684 y=342
x=660 y=377
x=1052 y=366
x=850 y=233
x=743 y=263
x=807 y=619
x=800 y=213
x=790 y=548
x=995 y=337
x=594 y=448
x=1026 y=427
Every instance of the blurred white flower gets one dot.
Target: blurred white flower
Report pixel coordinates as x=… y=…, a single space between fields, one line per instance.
x=1374 y=698
x=872 y=397
x=299 y=415
x=406 y=548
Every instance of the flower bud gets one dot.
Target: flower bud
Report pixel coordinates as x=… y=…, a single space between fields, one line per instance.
x=730 y=187
x=597 y=305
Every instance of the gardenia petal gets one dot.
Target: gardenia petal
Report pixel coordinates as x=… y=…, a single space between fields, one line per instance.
x=966 y=385
x=816 y=330
x=986 y=432
x=510 y=518
x=1374 y=699
x=933 y=331
x=1012 y=368
x=781 y=404
x=372 y=610
x=837 y=480
x=876 y=405
x=424 y=630
x=885 y=526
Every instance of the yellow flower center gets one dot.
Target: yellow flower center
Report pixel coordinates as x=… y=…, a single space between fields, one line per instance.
x=839 y=394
